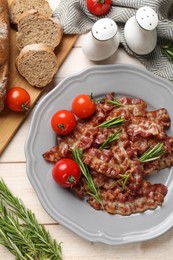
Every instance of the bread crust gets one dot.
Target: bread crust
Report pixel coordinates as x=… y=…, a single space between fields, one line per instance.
x=4 y=50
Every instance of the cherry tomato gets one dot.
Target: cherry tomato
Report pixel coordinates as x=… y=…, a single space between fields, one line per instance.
x=66 y=172
x=18 y=99
x=83 y=106
x=98 y=7
x=63 y=122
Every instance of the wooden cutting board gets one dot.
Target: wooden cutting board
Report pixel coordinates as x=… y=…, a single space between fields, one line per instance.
x=11 y=121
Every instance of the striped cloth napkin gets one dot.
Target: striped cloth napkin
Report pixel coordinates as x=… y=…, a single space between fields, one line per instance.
x=76 y=19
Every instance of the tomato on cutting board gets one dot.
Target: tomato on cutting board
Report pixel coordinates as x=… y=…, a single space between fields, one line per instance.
x=66 y=172
x=18 y=99
x=98 y=7
x=83 y=106
x=63 y=122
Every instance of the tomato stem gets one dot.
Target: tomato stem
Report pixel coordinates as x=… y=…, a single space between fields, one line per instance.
x=71 y=179
x=91 y=96
x=100 y=1
x=25 y=106
x=61 y=126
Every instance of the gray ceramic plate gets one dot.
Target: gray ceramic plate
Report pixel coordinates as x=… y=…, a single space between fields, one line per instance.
x=60 y=204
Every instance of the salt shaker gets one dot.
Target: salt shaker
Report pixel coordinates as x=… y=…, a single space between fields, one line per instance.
x=102 y=41
x=140 y=31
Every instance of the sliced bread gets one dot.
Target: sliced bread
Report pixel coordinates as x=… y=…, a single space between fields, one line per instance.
x=18 y=7
x=37 y=63
x=34 y=27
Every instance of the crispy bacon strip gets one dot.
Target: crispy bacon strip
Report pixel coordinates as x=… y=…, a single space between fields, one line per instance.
x=115 y=202
x=119 y=159
x=145 y=127
x=161 y=115
x=123 y=202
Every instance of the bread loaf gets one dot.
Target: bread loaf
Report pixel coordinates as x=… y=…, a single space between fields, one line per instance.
x=37 y=63
x=34 y=27
x=4 y=50
x=18 y=7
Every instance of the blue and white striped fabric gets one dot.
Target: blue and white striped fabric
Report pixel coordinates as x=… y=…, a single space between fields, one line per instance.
x=76 y=19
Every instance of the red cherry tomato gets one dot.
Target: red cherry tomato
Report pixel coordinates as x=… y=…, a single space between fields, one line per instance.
x=83 y=106
x=66 y=172
x=98 y=7
x=18 y=99
x=63 y=122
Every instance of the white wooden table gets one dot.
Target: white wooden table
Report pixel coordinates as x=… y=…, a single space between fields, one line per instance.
x=13 y=171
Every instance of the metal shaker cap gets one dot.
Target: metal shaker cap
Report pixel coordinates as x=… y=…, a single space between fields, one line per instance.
x=147 y=18
x=104 y=29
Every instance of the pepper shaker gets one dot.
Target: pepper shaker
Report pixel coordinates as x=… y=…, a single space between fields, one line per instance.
x=102 y=41
x=140 y=31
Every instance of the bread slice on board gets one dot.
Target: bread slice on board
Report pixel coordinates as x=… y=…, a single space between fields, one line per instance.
x=4 y=50
x=34 y=27
x=18 y=7
x=37 y=63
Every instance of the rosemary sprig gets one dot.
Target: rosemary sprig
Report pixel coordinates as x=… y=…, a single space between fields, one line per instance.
x=110 y=139
x=77 y=156
x=15 y=212
x=115 y=121
x=114 y=102
x=14 y=237
x=152 y=153
x=123 y=180
x=100 y=100
x=168 y=51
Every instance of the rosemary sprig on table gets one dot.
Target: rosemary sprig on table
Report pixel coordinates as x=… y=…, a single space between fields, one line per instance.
x=111 y=138
x=168 y=51
x=93 y=191
x=152 y=153
x=115 y=121
x=21 y=233
x=11 y=231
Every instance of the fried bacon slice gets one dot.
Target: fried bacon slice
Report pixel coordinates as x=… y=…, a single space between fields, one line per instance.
x=123 y=202
x=140 y=131
x=116 y=202
x=145 y=127
x=166 y=160
x=118 y=160
x=161 y=115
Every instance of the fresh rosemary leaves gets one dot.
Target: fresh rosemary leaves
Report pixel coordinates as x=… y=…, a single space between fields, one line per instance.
x=77 y=156
x=115 y=121
x=111 y=138
x=21 y=233
x=115 y=102
x=152 y=153
x=123 y=180
x=168 y=51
